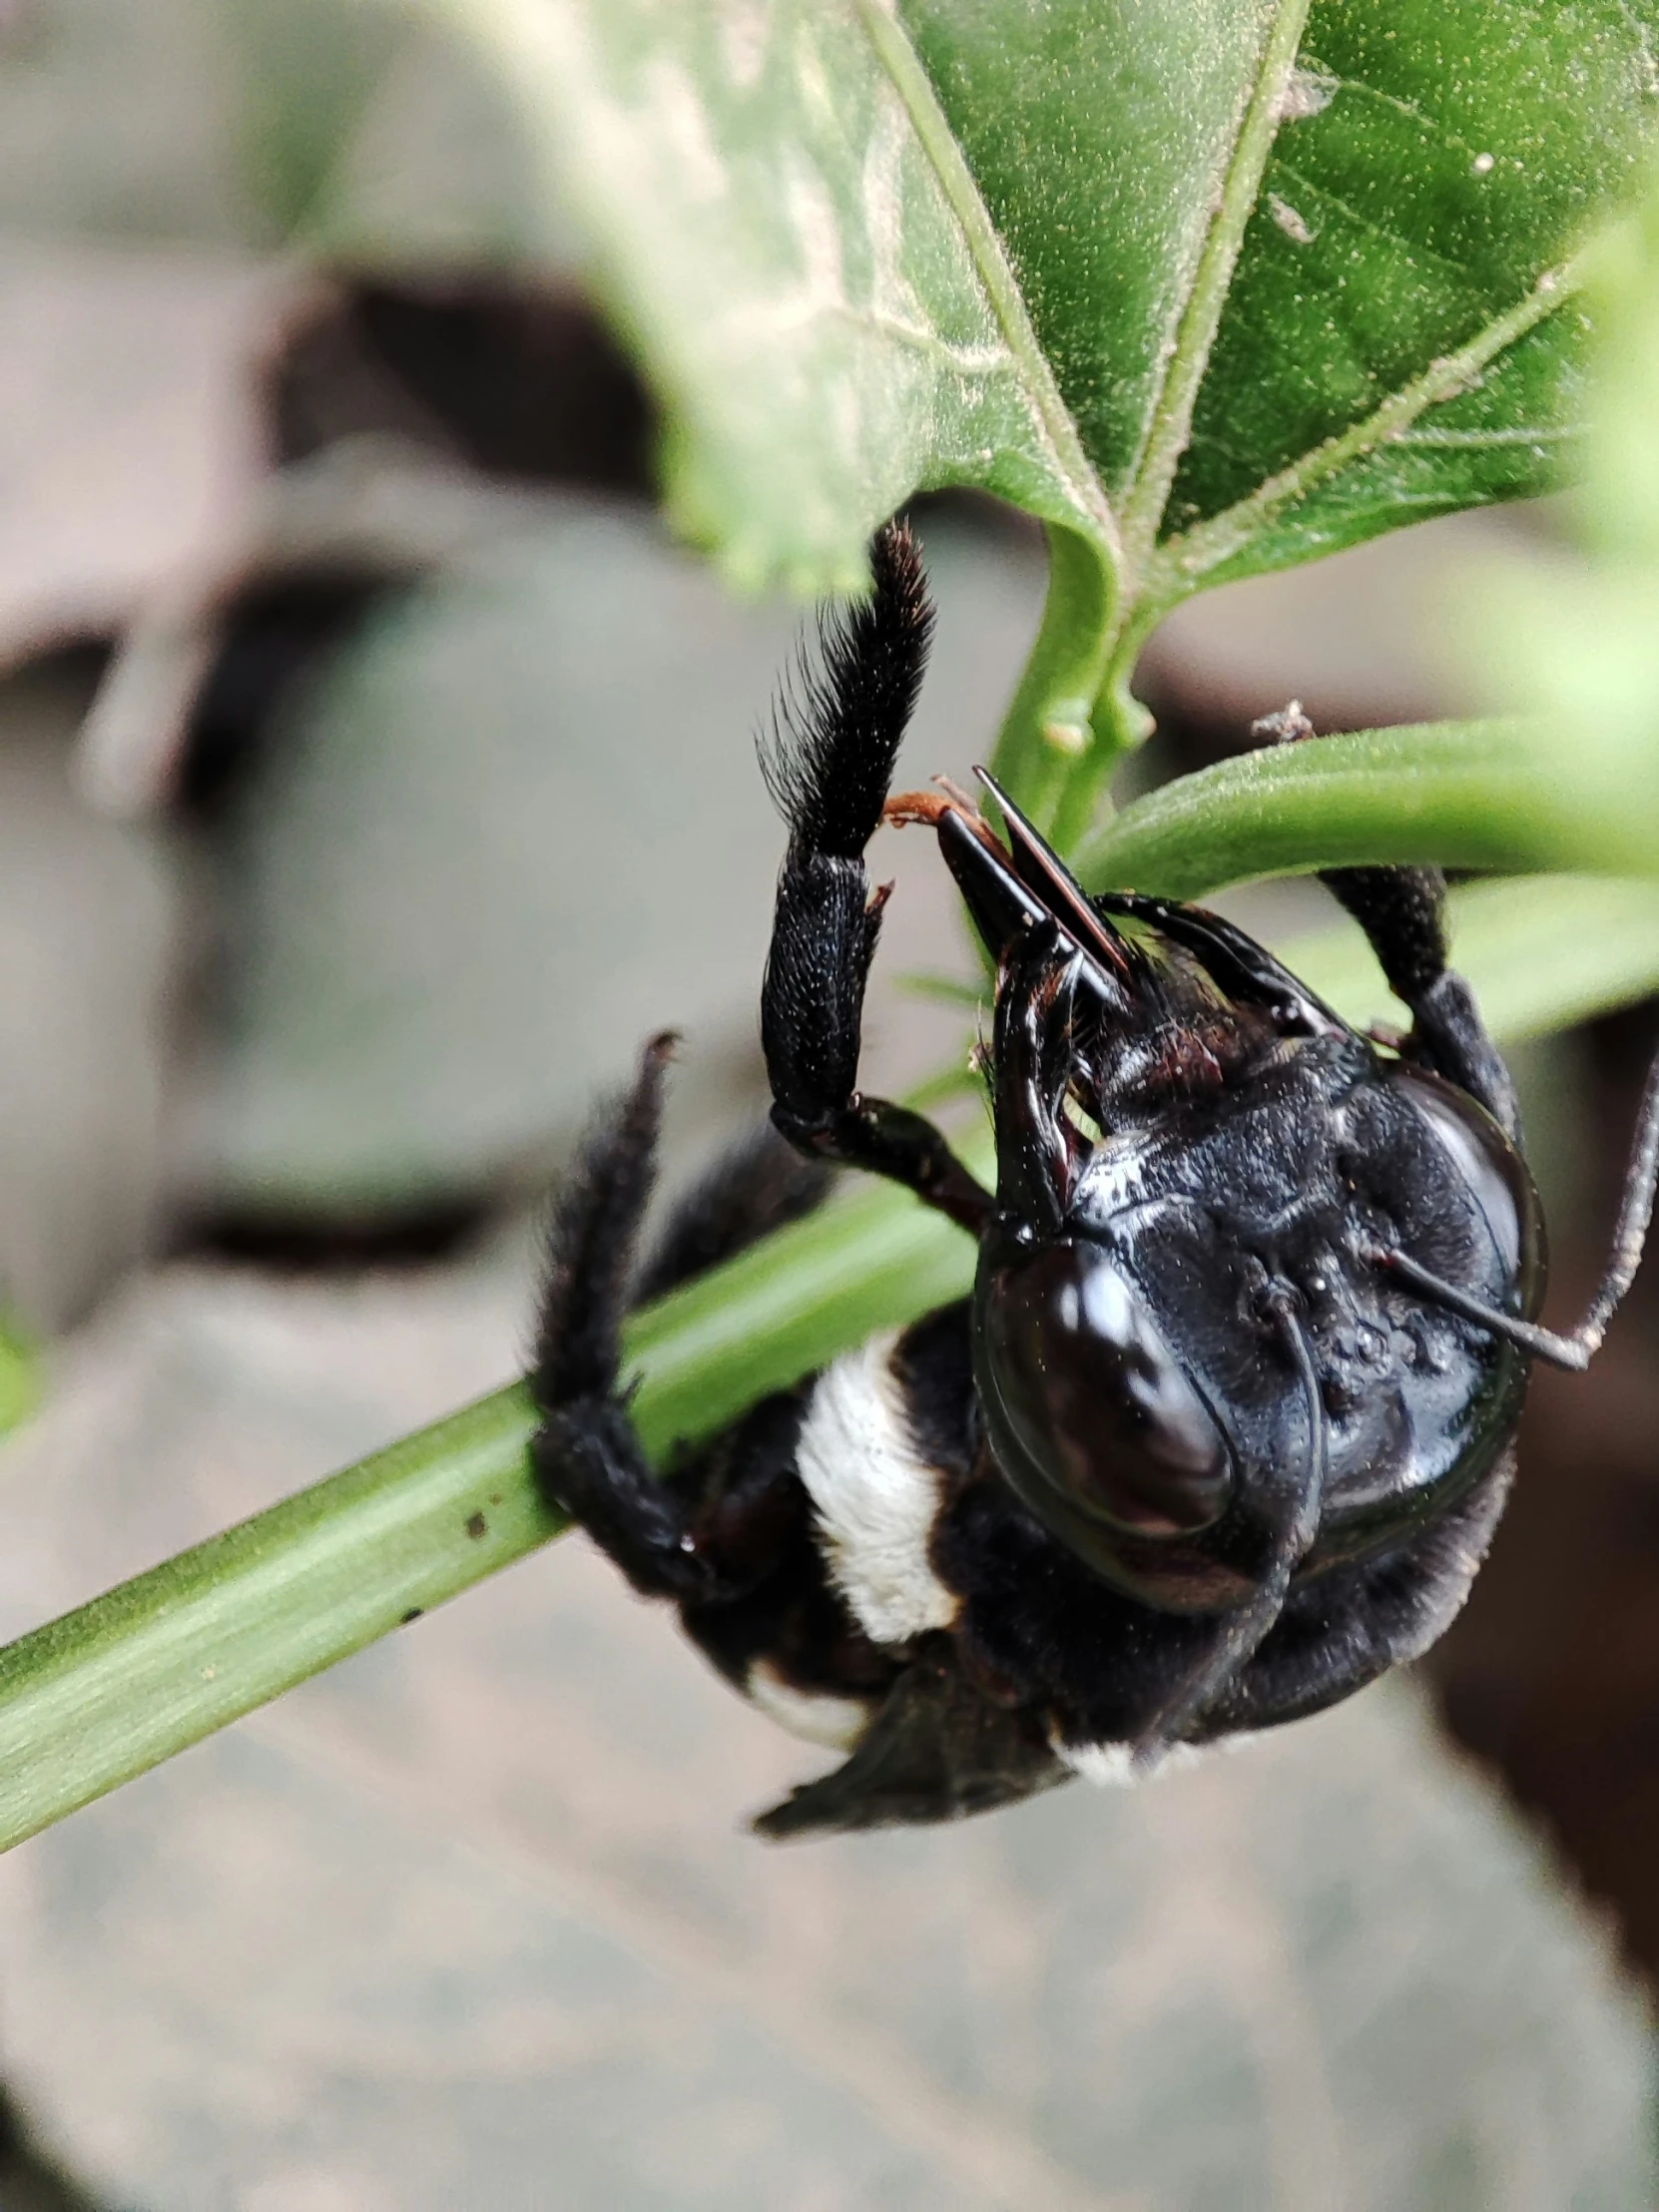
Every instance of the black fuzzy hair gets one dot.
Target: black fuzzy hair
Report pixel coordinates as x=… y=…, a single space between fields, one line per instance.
x=755 y=1186
x=589 y=1255
x=836 y=730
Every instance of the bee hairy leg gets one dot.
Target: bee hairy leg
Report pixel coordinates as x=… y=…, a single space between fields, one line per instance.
x=829 y=767
x=1402 y=912
x=761 y=1183
x=586 y=1451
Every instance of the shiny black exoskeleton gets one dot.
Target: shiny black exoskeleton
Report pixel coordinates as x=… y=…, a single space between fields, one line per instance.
x=1227 y=1424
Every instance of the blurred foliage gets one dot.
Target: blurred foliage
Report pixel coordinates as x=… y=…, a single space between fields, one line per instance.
x=20 y=1387
x=793 y=207
x=1573 y=640
x=360 y=131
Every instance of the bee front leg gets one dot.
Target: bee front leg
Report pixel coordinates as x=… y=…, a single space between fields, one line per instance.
x=1402 y=912
x=829 y=771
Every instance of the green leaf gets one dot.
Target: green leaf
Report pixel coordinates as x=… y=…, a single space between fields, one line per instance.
x=20 y=1381
x=1574 y=637
x=1052 y=253
x=1293 y=307
x=1576 y=792
x=1458 y=155
x=1499 y=417
x=1119 y=148
x=1493 y=795
x=1207 y=286
x=789 y=234
x=1210 y=288
x=1358 y=334
x=1432 y=164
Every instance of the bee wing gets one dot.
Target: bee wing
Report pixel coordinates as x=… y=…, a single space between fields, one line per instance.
x=937 y=1751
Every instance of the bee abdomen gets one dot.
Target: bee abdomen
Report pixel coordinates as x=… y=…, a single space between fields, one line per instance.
x=877 y=1467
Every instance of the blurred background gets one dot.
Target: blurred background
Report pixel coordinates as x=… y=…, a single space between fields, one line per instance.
x=374 y=774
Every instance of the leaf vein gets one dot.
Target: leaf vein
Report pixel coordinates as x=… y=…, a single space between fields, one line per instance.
x=740 y=326
x=1553 y=434
x=1179 y=566
x=1170 y=415
x=1049 y=414
x=1432 y=126
x=1417 y=254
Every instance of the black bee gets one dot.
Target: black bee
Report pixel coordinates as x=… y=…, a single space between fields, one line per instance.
x=1227 y=1424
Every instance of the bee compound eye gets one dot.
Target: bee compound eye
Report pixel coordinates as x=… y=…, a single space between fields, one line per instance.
x=1494 y=1177
x=1085 y=1386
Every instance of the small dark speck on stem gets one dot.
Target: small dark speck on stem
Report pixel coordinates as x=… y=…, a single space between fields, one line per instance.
x=476 y=1525
x=413 y=1615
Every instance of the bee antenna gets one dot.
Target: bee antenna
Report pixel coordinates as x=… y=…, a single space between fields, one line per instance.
x=1243 y=1631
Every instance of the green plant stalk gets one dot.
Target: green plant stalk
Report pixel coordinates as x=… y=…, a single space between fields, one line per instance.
x=113 y=1689
x=1059 y=782
x=105 y=1693
x=1481 y=795
x=1117 y=725
x=1049 y=722
x=109 y=1691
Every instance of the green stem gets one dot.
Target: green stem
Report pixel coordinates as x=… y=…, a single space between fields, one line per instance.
x=1047 y=725
x=1077 y=774
x=107 y=1692
x=1466 y=793
x=1118 y=724
x=111 y=1690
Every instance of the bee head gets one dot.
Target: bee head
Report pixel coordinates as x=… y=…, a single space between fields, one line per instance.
x=1192 y=1364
